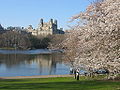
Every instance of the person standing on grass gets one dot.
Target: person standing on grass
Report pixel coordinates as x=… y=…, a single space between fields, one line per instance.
x=77 y=74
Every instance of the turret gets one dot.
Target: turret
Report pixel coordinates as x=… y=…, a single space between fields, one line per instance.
x=51 y=21
x=55 y=22
x=41 y=22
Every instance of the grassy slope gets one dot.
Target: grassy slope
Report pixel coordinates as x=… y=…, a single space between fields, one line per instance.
x=58 y=84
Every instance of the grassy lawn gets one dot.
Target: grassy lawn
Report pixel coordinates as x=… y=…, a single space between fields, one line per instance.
x=63 y=83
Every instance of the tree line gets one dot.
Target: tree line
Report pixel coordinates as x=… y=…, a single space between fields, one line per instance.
x=19 y=40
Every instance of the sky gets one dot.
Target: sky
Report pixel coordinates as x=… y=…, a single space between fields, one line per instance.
x=29 y=12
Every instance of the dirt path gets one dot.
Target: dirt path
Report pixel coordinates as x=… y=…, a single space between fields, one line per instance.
x=40 y=76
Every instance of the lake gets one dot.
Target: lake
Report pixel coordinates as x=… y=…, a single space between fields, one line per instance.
x=31 y=62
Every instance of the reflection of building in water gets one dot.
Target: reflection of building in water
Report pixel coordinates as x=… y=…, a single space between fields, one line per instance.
x=11 y=60
x=46 y=62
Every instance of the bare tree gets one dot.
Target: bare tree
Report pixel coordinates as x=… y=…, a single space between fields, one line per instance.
x=15 y=40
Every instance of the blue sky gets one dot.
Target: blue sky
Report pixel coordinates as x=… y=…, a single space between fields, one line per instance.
x=26 y=12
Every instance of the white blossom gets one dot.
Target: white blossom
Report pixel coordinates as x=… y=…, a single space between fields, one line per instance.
x=96 y=44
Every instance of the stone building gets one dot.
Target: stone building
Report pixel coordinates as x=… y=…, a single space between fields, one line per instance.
x=45 y=29
x=31 y=30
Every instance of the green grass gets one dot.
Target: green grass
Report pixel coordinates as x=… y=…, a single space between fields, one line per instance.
x=63 y=83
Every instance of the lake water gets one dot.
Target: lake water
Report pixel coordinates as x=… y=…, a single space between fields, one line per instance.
x=31 y=62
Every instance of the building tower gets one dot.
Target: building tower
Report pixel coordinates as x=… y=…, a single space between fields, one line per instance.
x=41 y=22
x=51 y=21
x=55 y=22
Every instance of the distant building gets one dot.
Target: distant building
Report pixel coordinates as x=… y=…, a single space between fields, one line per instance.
x=31 y=30
x=20 y=30
x=45 y=29
x=1 y=28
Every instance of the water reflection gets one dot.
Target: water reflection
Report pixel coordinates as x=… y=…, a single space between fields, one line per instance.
x=31 y=64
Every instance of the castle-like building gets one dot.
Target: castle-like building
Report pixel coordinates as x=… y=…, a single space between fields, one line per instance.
x=45 y=29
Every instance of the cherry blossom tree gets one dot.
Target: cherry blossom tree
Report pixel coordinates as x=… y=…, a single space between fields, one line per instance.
x=95 y=44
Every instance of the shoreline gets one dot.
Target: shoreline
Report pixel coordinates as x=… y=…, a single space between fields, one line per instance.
x=38 y=76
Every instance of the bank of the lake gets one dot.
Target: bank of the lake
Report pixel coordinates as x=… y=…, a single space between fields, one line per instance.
x=7 y=48
x=40 y=76
x=59 y=83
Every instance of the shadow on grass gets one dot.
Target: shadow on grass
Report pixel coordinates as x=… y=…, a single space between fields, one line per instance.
x=67 y=85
